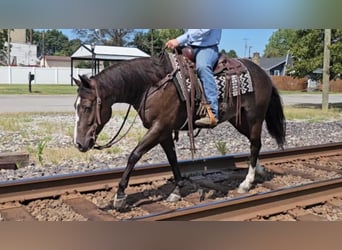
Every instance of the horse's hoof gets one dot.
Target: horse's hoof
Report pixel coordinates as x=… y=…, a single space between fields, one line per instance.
x=173 y=197
x=119 y=202
x=242 y=189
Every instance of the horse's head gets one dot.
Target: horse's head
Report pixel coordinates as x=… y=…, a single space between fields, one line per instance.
x=92 y=113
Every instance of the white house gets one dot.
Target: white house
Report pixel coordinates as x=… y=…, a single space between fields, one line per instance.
x=23 y=54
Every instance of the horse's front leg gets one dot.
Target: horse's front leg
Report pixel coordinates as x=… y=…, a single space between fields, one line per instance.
x=150 y=139
x=169 y=149
x=120 y=196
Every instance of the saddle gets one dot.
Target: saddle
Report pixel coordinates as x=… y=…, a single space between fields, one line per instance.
x=190 y=88
x=232 y=65
x=225 y=71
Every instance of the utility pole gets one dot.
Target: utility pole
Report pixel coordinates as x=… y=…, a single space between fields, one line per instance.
x=152 y=42
x=43 y=49
x=326 y=70
x=8 y=47
x=246 y=39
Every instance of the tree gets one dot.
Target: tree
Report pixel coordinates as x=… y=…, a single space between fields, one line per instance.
x=3 y=47
x=280 y=42
x=154 y=39
x=54 y=42
x=308 y=52
x=306 y=49
x=336 y=53
x=231 y=53
x=112 y=37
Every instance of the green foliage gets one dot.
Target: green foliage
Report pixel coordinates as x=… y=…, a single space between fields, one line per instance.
x=280 y=42
x=221 y=147
x=3 y=47
x=54 y=42
x=112 y=37
x=231 y=53
x=306 y=47
x=153 y=41
x=40 y=148
x=308 y=52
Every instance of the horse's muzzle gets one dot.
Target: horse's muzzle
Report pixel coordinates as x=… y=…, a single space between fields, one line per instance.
x=86 y=146
x=81 y=148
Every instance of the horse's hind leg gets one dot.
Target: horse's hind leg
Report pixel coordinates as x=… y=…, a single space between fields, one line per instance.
x=255 y=146
x=169 y=148
x=251 y=128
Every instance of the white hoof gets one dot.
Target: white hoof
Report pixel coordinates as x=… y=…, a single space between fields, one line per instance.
x=243 y=188
x=173 y=197
x=119 y=203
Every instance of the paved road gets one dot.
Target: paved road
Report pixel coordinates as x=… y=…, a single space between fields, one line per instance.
x=48 y=103
x=65 y=103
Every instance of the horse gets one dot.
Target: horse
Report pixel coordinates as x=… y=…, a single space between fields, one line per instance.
x=145 y=83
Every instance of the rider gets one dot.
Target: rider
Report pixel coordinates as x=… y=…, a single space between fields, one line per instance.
x=205 y=44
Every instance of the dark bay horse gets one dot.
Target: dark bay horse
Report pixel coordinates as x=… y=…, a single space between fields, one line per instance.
x=138 y=82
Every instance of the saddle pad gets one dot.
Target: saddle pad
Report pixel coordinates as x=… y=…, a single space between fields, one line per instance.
x=240 y=84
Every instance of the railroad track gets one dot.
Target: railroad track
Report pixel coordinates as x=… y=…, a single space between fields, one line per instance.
x=301 y=184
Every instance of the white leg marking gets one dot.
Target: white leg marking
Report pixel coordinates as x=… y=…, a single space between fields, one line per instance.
x=77 y=118
x=247 y=183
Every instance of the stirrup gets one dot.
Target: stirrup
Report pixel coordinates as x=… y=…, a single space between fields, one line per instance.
x=213 y=120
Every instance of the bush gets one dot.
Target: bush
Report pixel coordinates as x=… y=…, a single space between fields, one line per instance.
x=300 y=84
x=290 y=83
x=336 y=85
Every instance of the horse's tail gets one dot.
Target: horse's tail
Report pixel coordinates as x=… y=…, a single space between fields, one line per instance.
x=275 y=118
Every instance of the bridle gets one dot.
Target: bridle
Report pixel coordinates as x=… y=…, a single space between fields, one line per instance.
x=98 y=123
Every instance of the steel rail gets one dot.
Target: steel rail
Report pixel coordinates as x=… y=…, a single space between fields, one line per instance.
x=256 y=205
x=42 y=187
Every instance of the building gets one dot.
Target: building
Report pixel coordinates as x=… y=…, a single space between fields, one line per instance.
x=274 y=66
x=21 y=52
x=98 y=54
x=55 y=61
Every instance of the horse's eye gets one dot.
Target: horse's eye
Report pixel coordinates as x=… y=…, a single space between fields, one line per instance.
x=87 y=109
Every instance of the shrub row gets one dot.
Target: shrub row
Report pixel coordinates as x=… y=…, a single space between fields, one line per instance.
x=300 y=84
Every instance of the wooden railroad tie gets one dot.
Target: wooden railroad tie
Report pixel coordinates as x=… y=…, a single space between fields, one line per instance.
x=13 y=160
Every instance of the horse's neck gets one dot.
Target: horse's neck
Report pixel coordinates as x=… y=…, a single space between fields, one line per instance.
x=130 y=81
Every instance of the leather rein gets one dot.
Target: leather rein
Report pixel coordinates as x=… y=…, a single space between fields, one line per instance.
x=98 y=122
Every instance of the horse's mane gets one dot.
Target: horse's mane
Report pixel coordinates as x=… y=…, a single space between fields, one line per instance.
x=147 y=70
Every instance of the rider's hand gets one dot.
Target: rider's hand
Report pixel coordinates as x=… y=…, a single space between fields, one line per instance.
x=171 y=44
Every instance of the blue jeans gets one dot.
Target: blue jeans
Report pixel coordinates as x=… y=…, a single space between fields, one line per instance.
x=205 y=61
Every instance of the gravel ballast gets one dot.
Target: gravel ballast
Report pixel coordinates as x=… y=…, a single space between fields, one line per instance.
x=213 y=142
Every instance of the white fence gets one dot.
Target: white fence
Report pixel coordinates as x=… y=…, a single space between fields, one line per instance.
x=20 y=75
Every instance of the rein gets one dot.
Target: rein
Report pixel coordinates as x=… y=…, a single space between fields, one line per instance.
x=98 y=122
x=113 y=140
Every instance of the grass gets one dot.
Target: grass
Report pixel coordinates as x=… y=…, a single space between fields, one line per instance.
x=312 y=114
x=38 y=89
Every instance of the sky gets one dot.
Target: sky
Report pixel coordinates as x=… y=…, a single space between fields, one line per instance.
x=244 y=41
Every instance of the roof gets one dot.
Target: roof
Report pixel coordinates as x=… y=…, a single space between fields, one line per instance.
x=56 y=58
x=111 y=53
x=269 y=63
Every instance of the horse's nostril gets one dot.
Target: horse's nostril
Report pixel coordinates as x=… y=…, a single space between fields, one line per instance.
x=78 y=145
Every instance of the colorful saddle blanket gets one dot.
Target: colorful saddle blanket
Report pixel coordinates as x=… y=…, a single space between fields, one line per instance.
x=231 y=76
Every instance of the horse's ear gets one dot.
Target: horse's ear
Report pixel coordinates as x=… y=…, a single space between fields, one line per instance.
x=78 y=82
x=84 y=81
